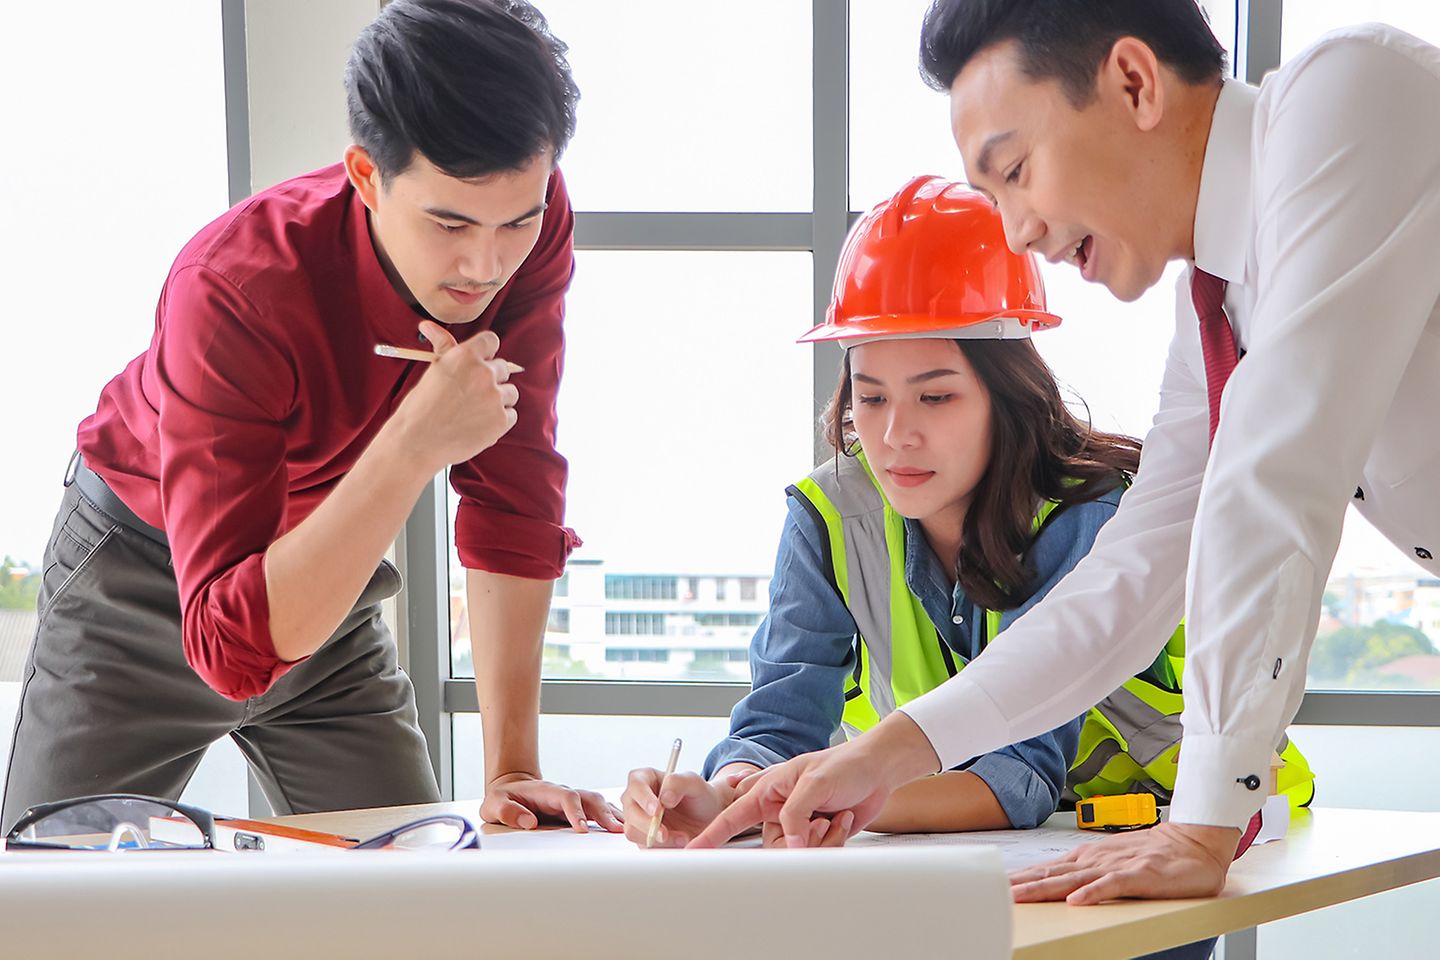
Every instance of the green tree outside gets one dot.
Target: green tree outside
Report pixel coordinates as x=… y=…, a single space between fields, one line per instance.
x=19 y=585
x=1352 y=656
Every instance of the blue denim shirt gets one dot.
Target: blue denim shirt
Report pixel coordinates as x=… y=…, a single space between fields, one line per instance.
x=803 y=651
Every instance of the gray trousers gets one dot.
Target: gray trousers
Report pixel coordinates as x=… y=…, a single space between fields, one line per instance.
x=110 y=705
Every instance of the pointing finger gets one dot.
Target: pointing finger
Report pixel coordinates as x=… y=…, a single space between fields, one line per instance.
x=744 y=812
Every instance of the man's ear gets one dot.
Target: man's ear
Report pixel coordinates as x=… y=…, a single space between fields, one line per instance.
x=363 y=174
x=1132 y=74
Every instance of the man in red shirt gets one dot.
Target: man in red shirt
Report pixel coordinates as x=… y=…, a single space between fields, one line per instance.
x=217 y=562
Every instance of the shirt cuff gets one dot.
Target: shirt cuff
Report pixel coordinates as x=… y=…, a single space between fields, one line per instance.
x=957 y=717
x=511 y=544
x=739 y=750
x=1025 y=798
x=1222 y=780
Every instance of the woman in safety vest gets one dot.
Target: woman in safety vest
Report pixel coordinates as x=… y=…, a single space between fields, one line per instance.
x=963 y=489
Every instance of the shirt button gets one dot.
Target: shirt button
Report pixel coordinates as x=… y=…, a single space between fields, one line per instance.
x=1424 y=554
x=957 y=619
x=1251 y=782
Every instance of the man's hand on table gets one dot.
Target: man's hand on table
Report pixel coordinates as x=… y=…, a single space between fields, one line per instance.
x=1168 y=861
x=523 y=801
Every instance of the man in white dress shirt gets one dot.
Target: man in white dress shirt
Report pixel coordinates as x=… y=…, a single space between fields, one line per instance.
x=1308 y=209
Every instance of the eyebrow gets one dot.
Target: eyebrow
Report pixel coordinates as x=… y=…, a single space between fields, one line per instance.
x=918 y=378
x=982 y=165
x=442 y=214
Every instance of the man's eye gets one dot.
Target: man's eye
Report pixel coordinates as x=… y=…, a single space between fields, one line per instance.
x=1014 y=175
x=520 y=225
x=455 y=228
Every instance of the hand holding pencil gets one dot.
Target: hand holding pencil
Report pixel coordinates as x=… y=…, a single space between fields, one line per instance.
x=463 y=403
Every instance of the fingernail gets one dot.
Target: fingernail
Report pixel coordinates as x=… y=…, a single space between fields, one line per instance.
x=651 y=806
x=794 y=842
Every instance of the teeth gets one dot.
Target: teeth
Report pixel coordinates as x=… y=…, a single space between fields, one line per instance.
x=1074 y=255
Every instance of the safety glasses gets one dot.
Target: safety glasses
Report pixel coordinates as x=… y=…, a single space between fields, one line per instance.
x=115 y=821
x=125 y=821
x=442 y=832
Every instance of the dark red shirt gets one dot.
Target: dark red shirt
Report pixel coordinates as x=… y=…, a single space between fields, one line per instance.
x=260 y=389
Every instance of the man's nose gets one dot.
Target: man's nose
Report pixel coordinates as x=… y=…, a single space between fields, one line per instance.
x=481 y=262
x=1023 y=228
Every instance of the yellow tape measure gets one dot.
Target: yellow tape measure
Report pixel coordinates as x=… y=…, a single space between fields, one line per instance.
x=1129 y=811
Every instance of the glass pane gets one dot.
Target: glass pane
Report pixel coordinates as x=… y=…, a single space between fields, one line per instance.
x=1100 y=337
x=899 y=127
x=591 y=752
x=110 y=229
x=1303 y=23
x=685 y=413
x=689 y=106
x=1380 y=618
x=148 y=74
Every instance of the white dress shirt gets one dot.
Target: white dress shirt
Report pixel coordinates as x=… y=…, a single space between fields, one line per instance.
x=1319 y=202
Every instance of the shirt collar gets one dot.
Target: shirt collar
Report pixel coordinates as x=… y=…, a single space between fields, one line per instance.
x=390 y=315
x=1223 y=207
x=923 y=570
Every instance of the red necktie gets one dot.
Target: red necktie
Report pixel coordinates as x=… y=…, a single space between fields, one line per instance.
x=1217 y=340
x=1217 y=343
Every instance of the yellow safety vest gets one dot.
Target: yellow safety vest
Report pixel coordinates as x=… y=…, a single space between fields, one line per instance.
x=1129 y=742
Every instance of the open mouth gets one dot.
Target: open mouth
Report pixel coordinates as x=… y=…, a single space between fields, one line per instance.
x=1081 y=254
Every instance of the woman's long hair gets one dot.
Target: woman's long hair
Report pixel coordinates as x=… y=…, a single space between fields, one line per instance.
x=1038 y=450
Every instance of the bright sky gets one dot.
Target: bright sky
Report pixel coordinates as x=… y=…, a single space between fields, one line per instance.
x=686 y=406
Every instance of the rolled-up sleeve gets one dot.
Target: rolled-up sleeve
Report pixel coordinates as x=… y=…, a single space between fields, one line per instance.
x=512 y=496
x=223 y=396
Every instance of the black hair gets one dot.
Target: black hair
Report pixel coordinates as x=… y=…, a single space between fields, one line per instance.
x=1067 y=40
x=476 y=87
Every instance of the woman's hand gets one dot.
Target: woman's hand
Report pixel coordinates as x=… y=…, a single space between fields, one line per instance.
x=855 y=777
x=689 y=800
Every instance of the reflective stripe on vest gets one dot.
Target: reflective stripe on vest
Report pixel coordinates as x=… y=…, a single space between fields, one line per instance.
x=1129 y=742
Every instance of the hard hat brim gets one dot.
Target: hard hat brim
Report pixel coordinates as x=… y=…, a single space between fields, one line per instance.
x=904 y=327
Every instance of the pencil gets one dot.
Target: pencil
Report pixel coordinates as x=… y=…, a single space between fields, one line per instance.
x=659 y=810
x=406 y=353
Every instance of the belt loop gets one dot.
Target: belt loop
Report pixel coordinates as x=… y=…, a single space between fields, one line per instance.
x=72 y=467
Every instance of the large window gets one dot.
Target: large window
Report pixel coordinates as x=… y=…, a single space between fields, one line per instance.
x=691 y=106
x=1380 y=626
x=115 y=154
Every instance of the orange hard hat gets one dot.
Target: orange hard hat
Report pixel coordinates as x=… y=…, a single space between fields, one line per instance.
x=932 y=262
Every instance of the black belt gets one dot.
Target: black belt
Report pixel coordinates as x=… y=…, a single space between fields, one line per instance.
x=102 y=498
